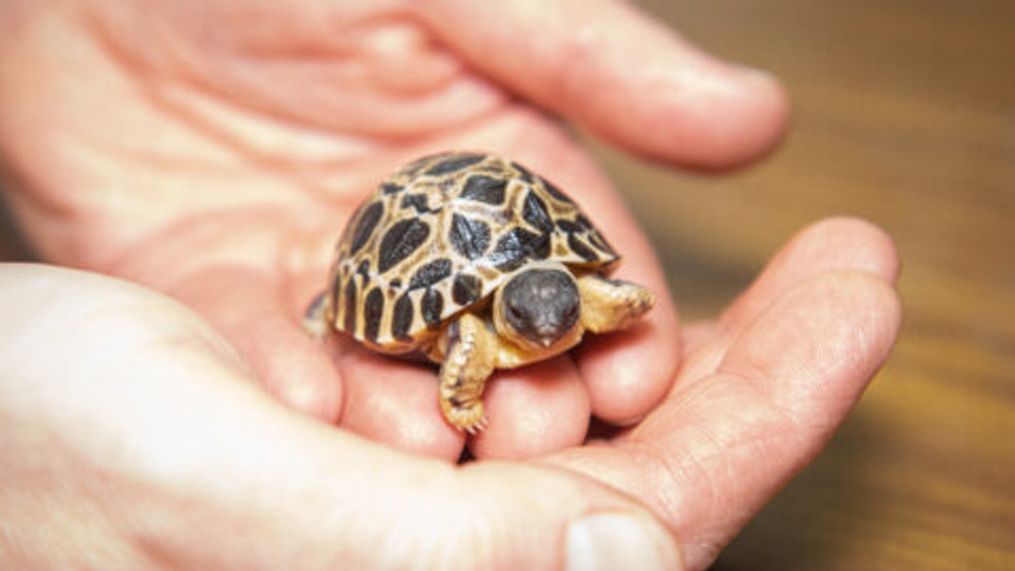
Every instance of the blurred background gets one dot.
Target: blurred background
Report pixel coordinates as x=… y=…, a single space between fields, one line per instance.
x=904 y=114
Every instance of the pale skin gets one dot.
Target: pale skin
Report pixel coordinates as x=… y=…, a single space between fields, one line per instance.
x=216 y=182
x=164 y=143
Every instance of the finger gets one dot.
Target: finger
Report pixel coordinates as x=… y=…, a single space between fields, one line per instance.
x=620 y=74
x=246 y=306
x=346 y=494
x=833 y=244
x=839 y=243
x=628 y=372
x=712 y=455
x=811 y=353
x=533 y=410
x=395 y=402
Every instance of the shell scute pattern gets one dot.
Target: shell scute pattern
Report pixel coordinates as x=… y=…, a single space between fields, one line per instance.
x=440 y=235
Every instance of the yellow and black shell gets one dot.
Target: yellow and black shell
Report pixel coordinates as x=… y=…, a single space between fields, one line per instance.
x=440 y=235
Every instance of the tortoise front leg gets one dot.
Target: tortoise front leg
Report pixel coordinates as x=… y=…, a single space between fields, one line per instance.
x=470 y=353
x=609 y=305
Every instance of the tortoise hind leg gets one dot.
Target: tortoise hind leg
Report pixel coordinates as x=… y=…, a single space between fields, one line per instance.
x=315 y=318
x=470 y=351
x=609 y=305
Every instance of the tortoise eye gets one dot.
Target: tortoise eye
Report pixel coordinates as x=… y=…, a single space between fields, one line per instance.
x=514 y=313
x=515 y=316
x=571 y=314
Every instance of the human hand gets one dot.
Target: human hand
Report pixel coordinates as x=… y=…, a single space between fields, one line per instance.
x=136 y=437
x=213 y=150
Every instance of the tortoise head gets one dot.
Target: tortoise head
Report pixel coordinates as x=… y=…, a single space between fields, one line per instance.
x=537 y=306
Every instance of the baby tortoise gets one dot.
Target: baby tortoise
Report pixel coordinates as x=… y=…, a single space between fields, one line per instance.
x=477 y=264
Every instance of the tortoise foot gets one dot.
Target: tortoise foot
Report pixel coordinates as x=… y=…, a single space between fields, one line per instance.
x=470 y=418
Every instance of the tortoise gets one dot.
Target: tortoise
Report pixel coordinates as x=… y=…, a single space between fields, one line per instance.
x=472 y=261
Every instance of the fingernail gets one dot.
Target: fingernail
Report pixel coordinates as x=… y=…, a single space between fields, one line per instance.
x=619 y=541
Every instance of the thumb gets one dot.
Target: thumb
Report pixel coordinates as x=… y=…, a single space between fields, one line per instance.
x=322 y=498
x=622 y=75
x=371 y=507
x=523 y=517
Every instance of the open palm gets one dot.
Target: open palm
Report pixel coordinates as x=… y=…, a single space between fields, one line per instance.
x=213 y=150
x=139 y=422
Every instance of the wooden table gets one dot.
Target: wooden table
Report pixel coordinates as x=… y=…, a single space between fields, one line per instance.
x=905 y=115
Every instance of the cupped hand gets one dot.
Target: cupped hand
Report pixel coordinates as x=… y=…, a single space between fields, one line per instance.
x=136 y=437
x=214 y=150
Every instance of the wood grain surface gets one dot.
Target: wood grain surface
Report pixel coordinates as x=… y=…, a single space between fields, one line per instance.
x=904 y=113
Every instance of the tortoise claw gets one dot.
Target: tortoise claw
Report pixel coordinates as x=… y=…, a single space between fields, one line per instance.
x=479 y=426
x=473 y=428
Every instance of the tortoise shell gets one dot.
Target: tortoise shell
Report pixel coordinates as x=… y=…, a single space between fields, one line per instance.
x=440 y=235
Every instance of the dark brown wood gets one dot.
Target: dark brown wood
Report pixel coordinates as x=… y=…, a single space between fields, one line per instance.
x=904 y=113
